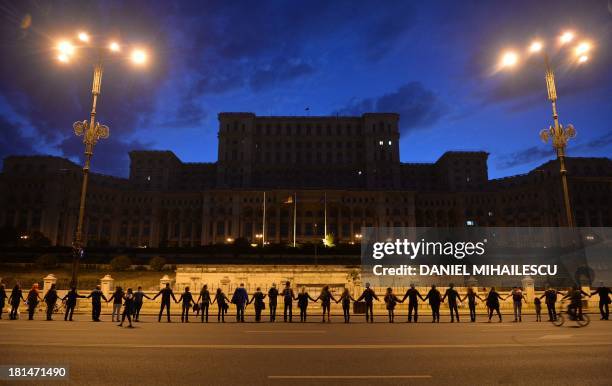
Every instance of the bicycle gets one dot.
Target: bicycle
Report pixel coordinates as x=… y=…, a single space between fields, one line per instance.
x=581 y=321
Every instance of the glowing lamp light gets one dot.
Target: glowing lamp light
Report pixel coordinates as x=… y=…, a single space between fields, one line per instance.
x=66 y=48
x=566 y=37
x=583 y=59
x=83 y=36
x=509 y=59
x=535 y=47
x=63 y=58
x=139 y=56
x=114 y=46
x=583 y=48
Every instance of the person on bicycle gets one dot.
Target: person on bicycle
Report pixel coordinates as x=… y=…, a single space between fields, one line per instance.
x=575 y=307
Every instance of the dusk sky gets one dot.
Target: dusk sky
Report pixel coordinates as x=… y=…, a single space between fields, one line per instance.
x=433 y=62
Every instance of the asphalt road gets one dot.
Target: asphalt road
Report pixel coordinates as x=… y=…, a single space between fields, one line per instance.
x=313 y=353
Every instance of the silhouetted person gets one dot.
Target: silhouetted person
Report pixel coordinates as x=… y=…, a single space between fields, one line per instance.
x=391 y=301
x=240 y=298
x=71 y=301
x=50 y=299
x=288 y=298
x=471 y=296
x=14 y=300
x=537 y=303
x=551 y=299
x=575 y=296
x=302 y=299
x=32 y=299
x=139 y=297
x=96 y=303
x=604 y=301
x=221 y=300
x=453 y=298
x=258 y=299
x=205 y=297
x=493 y=303
x=272 y=302
x=413 y=296
x=435 y=298
x=117 y=299
x=517 y=303
x=128 y=308
x=345 y=299
x=166 y=293
x=2 y=299
x=187 y=299
x=326 y=297
x=368 y=296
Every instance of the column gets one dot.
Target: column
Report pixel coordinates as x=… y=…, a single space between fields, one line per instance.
x=107 y=284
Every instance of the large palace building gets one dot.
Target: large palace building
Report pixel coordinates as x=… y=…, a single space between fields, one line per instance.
x=318 y=175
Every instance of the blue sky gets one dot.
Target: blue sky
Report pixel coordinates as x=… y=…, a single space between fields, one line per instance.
x=432 y=62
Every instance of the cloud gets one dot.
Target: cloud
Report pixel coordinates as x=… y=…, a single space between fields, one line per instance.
x=523 y=157
x=280 y=70
x=539 y=153
x=13 y=140
x=417 y=106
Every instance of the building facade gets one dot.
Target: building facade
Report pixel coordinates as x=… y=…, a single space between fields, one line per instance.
x=319 y=175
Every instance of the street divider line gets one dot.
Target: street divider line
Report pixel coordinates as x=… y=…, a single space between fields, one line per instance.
x=349 y=376
x=285 y=332
x=305 y=346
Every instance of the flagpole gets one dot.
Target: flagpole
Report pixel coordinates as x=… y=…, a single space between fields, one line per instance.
x=263 y=231
x=325 y=215
x=294 y=216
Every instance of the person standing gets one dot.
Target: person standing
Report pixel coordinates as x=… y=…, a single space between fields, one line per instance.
x=96 y=303
x=604 y=300
x=240 y=298
x=551 y=299
x=537 y=303
x=117 y=298
x=471 y=296
x=221 y=299
x=50 y=299
x=166 y=293
x=139 y=297
x=391 y=301
x=71 y=301
x=326 y=297
x=14 y=300
x=413 y=303
x=205 y=298
x=32 y=300
x=2 y=299
x=435 y=298
x=368 y=296
x=128 y=308
x=302 y=299
x=453 y=299
x=288 y=297
x=187 y=299
x=272 y=302
x=258 y=298
x=493 y=303
x=517 y=303
x=346 y=298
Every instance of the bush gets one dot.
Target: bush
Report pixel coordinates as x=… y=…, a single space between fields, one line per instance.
x=120 y=263
x=46 y=261
x=157 y=263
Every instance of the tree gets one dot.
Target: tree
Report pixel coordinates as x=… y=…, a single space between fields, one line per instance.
x=157 y=263
x=8 y=236
x=120 y=263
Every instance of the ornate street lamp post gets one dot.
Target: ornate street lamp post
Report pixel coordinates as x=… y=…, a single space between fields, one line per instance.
x=557 y=133
x=91 y=131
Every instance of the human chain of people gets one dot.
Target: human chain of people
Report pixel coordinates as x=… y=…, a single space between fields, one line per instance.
x=127 y=305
